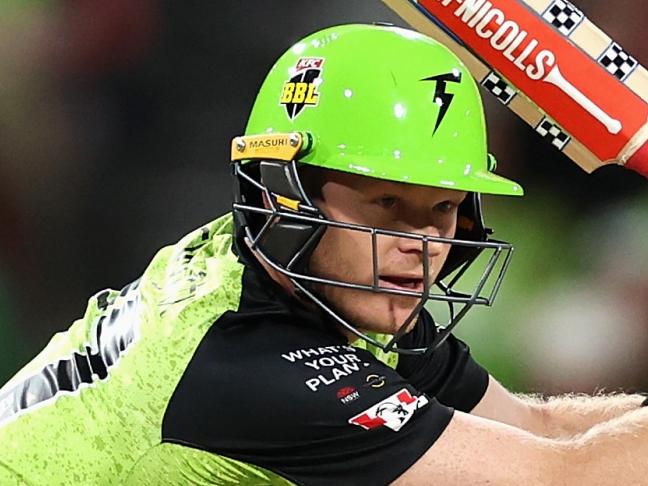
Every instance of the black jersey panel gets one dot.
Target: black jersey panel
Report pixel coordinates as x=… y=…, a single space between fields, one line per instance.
x=304 y=406
x=281 y=389
x=449 y=373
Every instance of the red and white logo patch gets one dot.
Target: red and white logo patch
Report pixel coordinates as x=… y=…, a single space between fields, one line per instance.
x=347 y=394
x=393 y=412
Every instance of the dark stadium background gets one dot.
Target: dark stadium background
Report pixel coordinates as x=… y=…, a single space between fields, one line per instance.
x=115 y=123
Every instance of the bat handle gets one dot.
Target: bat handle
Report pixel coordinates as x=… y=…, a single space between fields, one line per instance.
x=635 y=154
x=639 y=161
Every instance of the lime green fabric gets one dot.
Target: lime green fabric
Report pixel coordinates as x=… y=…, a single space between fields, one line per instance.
x=390 y=359
x=378 y=108
x=110 y=431
x=179 y=466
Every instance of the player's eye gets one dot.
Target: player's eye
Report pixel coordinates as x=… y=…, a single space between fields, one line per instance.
x=387 y=202
x=446 y=207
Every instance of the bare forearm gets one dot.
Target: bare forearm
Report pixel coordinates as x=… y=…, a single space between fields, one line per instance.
x=474 y=450
x=607 y=453
x=614 y=452
x=556 y=417
x=570 y=415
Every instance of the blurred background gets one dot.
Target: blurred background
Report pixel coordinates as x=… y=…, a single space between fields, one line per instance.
x=115 y=123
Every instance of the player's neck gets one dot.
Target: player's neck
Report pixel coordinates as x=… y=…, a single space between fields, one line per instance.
x=282 y=280
x=285 y=283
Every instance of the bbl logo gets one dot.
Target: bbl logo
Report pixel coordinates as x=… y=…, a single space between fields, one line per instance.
x=301 y=90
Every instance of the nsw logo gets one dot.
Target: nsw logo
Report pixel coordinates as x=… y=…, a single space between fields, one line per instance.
x=393 y=412
x=300 y=90
x=347 y=394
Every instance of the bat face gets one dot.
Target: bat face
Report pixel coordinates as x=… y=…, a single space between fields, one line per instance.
x=527 y=55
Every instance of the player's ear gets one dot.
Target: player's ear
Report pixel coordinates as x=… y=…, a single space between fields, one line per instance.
x=312 y=179
x=470 y=226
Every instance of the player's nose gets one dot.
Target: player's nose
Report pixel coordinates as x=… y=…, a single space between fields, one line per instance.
x=425 y=241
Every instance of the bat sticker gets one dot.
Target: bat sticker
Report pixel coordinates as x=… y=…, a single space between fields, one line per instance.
x=563 y=16
x=503 y=91
x=617 y=62
x=552 y=133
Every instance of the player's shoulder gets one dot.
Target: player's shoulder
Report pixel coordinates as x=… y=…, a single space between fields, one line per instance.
x=199 y=274
x=273 y=383
x=293 y=398
x=202 y=254
x=255 y=367
x=262 y=358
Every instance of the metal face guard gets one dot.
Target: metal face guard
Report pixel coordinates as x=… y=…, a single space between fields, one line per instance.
x=301 y=214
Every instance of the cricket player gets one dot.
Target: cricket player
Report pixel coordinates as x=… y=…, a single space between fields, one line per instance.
x=287 y=342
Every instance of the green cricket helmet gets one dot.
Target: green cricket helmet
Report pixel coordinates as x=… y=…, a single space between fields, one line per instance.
x=377 y=101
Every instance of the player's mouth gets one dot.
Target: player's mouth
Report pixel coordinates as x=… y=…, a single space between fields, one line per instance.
x=401 y=282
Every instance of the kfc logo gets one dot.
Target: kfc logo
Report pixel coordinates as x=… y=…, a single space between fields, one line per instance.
x=393 y=412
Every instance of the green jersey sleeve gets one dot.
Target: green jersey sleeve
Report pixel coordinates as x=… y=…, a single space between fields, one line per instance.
x=89 y=407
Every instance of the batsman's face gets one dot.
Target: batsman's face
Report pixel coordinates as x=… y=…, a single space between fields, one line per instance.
x=347 y=255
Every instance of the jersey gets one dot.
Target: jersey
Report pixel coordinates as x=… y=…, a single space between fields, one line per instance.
x=204 y=371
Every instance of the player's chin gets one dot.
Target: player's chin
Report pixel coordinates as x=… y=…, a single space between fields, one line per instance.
x=375 y=312
x=395 y=311
x=402 y=310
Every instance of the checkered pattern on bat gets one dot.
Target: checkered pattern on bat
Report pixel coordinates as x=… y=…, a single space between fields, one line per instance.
x=563 y=16
x=500 y=88
x=551 y=132
x=617 y=61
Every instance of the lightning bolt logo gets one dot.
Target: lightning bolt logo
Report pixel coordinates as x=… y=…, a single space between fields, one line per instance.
x=441 y=96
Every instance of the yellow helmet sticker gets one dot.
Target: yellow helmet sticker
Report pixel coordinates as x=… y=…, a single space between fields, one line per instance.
x=275 y=146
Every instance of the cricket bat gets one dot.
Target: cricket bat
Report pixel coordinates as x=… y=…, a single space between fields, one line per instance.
x=551 y=66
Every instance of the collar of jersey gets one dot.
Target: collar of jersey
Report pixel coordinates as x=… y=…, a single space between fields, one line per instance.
x=262 y=295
